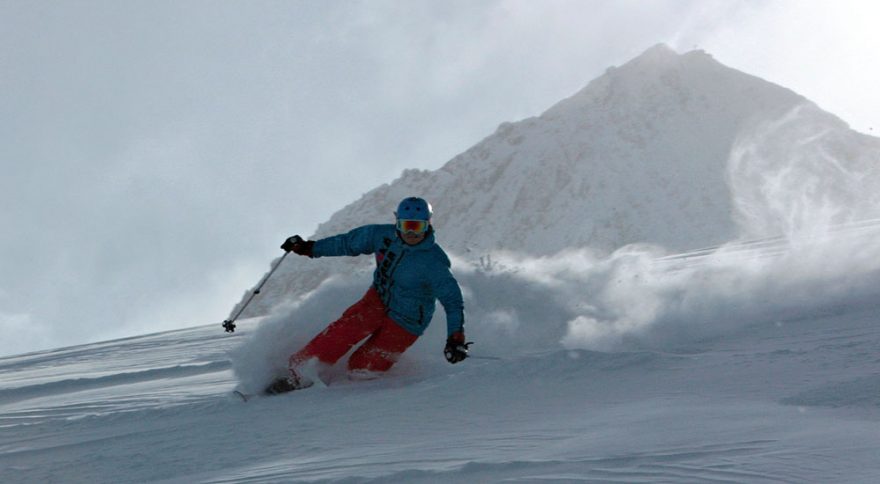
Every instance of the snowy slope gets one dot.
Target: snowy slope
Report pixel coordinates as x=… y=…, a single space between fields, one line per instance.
x=672 y=150
x=720 y=386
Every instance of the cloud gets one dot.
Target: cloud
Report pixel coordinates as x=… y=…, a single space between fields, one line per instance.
x=22 y=333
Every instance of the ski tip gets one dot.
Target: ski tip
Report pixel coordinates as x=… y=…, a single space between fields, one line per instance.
x=244 y=397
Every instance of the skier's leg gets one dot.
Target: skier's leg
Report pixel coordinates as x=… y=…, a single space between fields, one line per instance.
x=380 y=352
x=358 y=322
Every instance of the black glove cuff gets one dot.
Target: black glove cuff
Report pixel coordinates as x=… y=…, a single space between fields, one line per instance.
x=306 y=248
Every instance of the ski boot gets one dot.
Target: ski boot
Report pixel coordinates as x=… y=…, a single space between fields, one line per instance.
x=288 y=384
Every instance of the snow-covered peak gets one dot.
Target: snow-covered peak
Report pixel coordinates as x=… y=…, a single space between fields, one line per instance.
x=660 y=81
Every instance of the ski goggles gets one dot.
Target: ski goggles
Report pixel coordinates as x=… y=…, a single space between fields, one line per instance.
x=414 y=226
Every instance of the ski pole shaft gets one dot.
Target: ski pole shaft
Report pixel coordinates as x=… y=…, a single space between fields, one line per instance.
x=478 y=357
x=272 y=271
x=229 y=324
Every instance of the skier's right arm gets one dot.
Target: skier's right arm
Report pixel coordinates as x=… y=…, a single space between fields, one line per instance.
x=359 y=241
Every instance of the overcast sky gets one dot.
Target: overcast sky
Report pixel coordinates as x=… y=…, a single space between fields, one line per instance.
x=156 y=153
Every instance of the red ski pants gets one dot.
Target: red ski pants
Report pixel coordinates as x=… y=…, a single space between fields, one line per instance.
x=365 y=319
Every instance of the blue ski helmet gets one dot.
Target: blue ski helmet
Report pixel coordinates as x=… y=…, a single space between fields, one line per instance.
x=414 y=208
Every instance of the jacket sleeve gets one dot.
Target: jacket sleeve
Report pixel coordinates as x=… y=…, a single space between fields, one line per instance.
x=448 y=291
x=359 y=241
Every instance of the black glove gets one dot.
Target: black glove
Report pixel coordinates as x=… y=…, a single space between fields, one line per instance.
x=298 y=246
x=456 y=349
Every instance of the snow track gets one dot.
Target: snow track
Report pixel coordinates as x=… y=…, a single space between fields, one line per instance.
x=57 y=388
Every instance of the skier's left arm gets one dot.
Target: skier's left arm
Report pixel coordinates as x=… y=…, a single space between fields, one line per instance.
x=447 y=290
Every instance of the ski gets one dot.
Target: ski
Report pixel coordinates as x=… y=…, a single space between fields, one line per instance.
x=278 y=387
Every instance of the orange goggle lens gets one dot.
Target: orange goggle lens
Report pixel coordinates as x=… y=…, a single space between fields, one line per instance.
x=416 y=226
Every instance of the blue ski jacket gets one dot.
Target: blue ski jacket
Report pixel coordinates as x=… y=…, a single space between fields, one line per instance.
x=409 y=278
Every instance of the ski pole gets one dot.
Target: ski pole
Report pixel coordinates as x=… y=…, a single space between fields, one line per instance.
x=477 y=357
x=229 y=324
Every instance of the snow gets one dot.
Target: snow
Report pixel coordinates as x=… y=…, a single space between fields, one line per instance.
x=742 y=349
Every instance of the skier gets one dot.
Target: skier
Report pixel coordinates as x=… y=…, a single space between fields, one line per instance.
x=412 y=271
